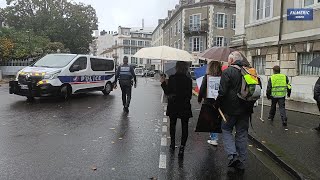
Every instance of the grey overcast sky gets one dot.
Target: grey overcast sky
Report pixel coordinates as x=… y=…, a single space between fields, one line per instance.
x=112 y=13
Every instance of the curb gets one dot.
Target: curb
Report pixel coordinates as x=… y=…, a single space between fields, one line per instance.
x=276 y=158
x=294 y=110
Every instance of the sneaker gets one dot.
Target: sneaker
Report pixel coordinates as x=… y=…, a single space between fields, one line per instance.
x=240 y=166
x=284 y=124
x=317 y=128
x=213 y=142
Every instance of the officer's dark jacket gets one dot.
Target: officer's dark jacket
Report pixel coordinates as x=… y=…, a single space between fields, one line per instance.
x=125 y=72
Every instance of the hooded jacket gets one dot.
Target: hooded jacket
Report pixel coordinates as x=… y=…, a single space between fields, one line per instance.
x=230 y=86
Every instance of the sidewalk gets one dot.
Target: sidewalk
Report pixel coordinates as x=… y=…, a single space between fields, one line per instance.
x=298 y=145
x=303 y=107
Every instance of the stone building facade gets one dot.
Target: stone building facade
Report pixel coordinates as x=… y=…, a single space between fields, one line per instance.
x=267 y=38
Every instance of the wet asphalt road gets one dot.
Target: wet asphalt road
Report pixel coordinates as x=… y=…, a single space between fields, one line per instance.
x=52 y=139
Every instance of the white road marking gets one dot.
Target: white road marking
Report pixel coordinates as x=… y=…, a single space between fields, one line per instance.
x=164 y=129
x=165 y=120
x=163 y=161
x=163 y=141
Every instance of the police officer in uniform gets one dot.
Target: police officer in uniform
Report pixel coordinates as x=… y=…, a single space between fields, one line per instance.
x=125 y=74
x=278 y=88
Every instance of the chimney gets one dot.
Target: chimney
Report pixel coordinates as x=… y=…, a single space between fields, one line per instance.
x=142 y=23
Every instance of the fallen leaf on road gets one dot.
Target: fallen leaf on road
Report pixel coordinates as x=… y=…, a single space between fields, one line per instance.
x=129 y=116
x=250 y=145
x=54 y=116
x=89 y=107
x=259 y=149
x=113 y=169
x=286 y=129
x=112 y=142
x=65 y=134
x=297 y=132
x=94 y=168
x=83 y=149
x=100 y=137
x=263 y=141
x=112 y=128
x=120 y=138
x=94 y=140
x=153 y=178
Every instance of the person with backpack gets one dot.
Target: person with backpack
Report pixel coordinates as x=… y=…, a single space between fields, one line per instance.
x=237 y=105
x=278 y=88
x=126 y=75
x=317 y=98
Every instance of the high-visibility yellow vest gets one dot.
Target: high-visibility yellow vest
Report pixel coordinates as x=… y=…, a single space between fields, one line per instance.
x=279 y=85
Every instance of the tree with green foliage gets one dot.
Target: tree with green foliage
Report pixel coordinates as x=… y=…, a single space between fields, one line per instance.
x=60 y=20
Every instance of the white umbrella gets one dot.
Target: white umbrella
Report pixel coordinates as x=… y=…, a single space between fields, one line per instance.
x=164 y=53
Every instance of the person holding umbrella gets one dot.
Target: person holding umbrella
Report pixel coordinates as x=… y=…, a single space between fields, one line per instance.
x=214 y=69
x=179 y=92
x=316 y=63
x=317 y=97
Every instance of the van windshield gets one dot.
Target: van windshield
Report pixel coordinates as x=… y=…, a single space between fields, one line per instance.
x=55 y=60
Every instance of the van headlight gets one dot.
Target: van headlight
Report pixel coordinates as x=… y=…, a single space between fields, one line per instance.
x=52 y=76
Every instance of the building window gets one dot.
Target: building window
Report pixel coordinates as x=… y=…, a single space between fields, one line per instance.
x=133 y=51
x=126 y=42
x=179 y=26
x=141 y=61
x=133 y=42
x=263 y=9
x=126 y=50
x=310 y=2
x=148 y=43
x=148 y=61
x=218 y=41
x=176 y=29
x=303 y=60
x=195 y=44
x=171 y=33
x=259 y=63
x=194 y=22
x=134 y=60
x=179 y=44
x=221 y=20
x=233 y=21
x=140 y=43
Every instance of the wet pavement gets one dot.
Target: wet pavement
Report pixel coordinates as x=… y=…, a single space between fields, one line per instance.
x=298 y=144
x=89 y=137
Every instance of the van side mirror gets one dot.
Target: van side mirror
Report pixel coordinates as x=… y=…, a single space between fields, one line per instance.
x=75 y=68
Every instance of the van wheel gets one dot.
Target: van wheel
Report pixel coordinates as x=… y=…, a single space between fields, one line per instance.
x=65 y=92
x=107 y=89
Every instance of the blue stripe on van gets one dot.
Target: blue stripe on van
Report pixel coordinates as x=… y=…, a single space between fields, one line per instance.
x=94 y=78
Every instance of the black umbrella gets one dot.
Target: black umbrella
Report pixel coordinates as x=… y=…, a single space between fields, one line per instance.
x=315 y=62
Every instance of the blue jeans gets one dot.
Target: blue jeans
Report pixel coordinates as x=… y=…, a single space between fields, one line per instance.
x=214 y=136
x=236 y=146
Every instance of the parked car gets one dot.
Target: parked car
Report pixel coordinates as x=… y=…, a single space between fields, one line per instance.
x=63 y=75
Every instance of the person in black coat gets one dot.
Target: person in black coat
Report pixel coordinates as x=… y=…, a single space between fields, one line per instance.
x=317 y=97
x=179 y=92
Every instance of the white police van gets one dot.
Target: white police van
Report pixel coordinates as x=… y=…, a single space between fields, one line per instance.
x=63 y=75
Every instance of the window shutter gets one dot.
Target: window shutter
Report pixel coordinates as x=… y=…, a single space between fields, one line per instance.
x=201 y=44
x=225 y=21
x=190 y=44
x=216 y=20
